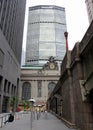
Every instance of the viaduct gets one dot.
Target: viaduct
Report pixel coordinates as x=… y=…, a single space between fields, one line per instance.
x=72 y=98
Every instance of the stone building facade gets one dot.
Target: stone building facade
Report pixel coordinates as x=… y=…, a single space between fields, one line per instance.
x=72 y=98
x=39 y=81
x=12 y=14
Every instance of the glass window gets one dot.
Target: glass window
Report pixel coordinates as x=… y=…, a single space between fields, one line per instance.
x=1 y=82
x=39 y=87
x=51 y=86
x=34 y=16
x=26 y=91
x=60 y=47
x=47 y=32
x=9 y=87
x=60 y=17
x=45 y=54
x=46 y=27
x=47 y=45
x=5 y=85
x=47 y=49
x=59 y=32
x=33 y=30
x=46 y=15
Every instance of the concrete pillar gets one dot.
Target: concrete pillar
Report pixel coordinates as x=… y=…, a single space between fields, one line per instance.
x=2 y=92
x=71 y=92
x=34 y=89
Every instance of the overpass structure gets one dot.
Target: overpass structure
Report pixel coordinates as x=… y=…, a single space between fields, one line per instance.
x=72 y=98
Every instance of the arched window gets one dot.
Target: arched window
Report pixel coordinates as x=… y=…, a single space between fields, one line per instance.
x=26 y=91
x=51 y=86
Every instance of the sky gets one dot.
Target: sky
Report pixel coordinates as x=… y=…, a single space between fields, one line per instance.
x=76 y=18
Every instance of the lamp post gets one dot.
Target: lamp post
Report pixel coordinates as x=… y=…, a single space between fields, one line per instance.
x=32 y=101
x=66 y=37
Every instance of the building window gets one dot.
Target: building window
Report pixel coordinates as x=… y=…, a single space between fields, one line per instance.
x=1 y=78
x=12 y=88
x=8 y=90
x=26 y=91
x=51 y=86
x=1 y=1
x=1 y=58
x=39 y=89
x=5 y=85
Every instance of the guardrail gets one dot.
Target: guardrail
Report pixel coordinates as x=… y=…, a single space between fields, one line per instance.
x=3 y=118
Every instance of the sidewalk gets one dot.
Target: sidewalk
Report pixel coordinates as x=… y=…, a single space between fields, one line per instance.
x=45 y=122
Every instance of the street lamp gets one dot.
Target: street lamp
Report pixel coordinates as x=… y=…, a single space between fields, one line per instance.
x=32 y=101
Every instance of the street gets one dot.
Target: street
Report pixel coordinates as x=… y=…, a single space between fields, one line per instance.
x=46 y=121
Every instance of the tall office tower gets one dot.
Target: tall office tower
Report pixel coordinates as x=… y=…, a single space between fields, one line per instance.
x=45 y=34
x=12 y=14
x=89 y=5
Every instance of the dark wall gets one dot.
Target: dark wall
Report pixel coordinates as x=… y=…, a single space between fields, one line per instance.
x=76 y=83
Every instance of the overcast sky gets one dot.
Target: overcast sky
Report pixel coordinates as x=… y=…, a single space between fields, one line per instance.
x=76 y=18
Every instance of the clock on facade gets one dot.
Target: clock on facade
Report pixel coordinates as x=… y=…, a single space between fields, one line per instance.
x=52 y=66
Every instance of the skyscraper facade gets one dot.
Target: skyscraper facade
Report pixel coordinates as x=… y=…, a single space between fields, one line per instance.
x=12 y=14
x=45 y=34
x=89 y=5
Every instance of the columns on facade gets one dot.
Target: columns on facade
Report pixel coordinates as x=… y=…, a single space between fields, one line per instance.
x=71 y=92
x=2 y=92
x=43 y=89
x=46 y=90
x=20 y=89
x=48 y=105
x=34 y=89
x=78 y=62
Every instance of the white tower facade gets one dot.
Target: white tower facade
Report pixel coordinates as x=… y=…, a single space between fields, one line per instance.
x=45 y=34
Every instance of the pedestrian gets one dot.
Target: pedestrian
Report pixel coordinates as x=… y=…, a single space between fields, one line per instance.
x=10 y=118
x=45 y=114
